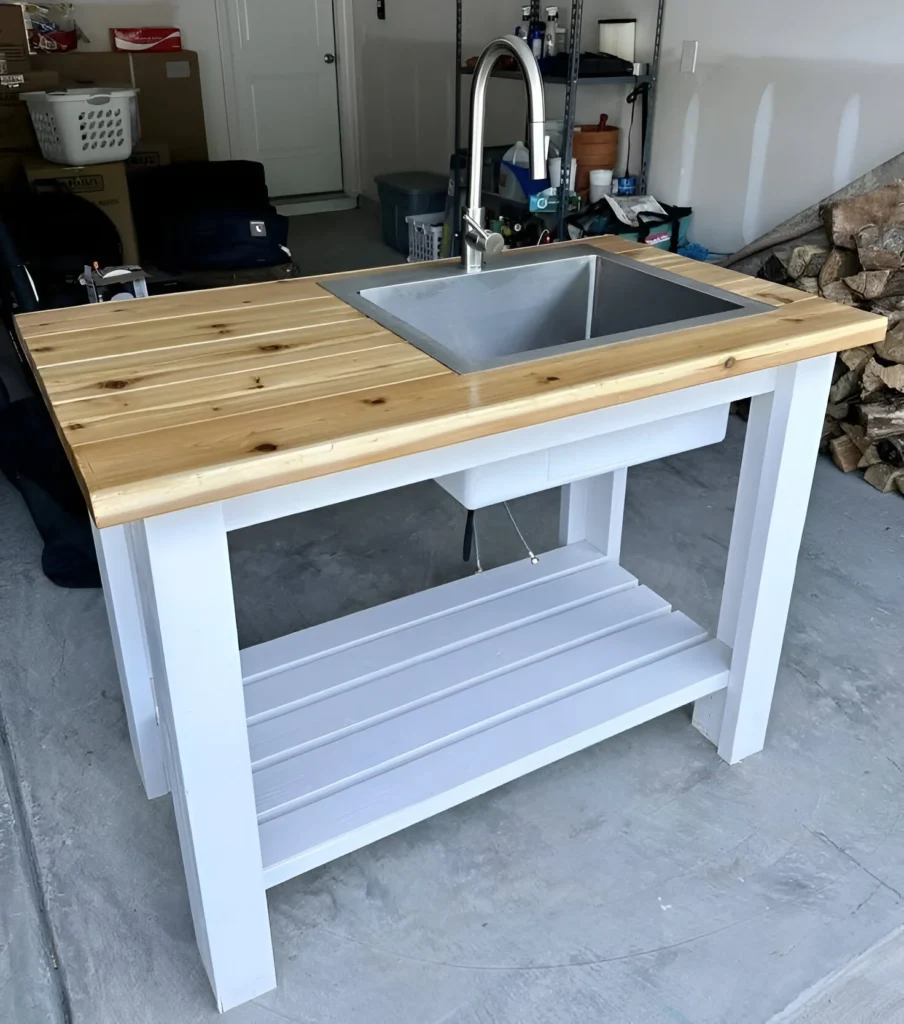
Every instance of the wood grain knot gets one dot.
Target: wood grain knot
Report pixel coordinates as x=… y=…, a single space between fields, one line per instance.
x=729 y=362
x=76 y=426
x=374 y=401
x=271 y=348
x=266 y=446
x=114 y=385
x=549 y=380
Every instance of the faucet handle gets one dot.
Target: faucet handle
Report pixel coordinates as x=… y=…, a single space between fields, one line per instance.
x=477 y=235
x=493 y=243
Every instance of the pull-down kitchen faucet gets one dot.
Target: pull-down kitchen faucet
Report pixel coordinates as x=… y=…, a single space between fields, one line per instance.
x=476 y=240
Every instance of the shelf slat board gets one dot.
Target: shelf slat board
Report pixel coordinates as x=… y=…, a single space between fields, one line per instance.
x=561 y=79
x=366 y=724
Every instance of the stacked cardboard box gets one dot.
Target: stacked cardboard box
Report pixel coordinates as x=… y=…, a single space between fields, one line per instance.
x=17 y=75
x=169 y=92
x=104 y=185
x=170 y=112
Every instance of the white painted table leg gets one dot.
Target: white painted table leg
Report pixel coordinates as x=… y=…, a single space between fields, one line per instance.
x=117 y=573
x=773 y=493
x=594 y=510
x=190 y=619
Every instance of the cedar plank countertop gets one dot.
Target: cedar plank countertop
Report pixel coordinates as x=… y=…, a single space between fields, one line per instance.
x=174 y=401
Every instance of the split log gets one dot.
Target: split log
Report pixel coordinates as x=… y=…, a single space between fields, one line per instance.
x=889 y=305
x=845 y=454
x=838 y=410
x=881 y=247
x=883 y=477
x=882 y=418
x=892 y=376
x=839 y=264
x=845 y=220
x=810 y=285
x=869 y=458
x=891 y=450
x=838 y=291
x=775 y=269
x=830 y=430
x=869 y=284
x=894 y=286
x=892 y=348
x=855 y=358
x=807 y=261
x=857 y=434
x=871 y=378
x=845 y=387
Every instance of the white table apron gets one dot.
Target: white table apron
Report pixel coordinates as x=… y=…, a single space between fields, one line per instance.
x=290 y=754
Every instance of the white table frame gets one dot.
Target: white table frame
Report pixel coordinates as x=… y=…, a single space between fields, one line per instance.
x=168 y=589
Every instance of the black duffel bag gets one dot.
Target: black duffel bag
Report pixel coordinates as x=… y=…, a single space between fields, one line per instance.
x=33 y=460
x=221 y=239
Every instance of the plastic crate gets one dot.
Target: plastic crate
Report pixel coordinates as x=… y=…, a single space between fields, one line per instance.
x=425 y=236
x=82 y=126
x=404 y=194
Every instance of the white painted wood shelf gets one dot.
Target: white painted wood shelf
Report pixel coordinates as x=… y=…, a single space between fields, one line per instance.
x=364 y=725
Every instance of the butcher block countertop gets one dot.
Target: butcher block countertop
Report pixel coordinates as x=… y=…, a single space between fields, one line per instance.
x=169 y=402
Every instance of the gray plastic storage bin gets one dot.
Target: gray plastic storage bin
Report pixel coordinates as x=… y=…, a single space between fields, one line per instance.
x=404 y=194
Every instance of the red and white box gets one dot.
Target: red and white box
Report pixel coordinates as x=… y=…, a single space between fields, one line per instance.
x=146 y=40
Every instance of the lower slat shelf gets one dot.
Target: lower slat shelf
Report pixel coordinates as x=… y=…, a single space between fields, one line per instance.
x=395 y=718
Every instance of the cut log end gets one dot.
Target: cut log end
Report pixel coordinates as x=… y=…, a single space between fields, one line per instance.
x=845 y=454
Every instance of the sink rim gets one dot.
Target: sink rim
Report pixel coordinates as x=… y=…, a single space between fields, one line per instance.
x=350 y=289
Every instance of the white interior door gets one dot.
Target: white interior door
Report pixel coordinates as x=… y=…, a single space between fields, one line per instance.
x=284 y=97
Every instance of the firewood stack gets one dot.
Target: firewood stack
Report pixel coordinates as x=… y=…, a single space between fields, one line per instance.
x=861 y=264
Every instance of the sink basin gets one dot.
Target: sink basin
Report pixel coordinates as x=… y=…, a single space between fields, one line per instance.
x=546 y=302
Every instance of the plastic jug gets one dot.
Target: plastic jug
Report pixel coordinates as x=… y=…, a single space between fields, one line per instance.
x=515 y=182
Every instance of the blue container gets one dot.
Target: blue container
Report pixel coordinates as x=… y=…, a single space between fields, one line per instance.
x=404 y=194
x=625 y=186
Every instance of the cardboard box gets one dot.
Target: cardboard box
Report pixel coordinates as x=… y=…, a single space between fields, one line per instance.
x=146 y=155
x=12 y=174
x=169 y=92
x=146 y=40
x=13 y=39
x=102 y=184
x=16 y=131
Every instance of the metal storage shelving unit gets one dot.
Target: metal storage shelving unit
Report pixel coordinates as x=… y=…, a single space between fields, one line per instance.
x=571 y=81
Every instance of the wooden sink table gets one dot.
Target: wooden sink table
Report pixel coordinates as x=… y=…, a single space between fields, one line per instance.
x=191 y=415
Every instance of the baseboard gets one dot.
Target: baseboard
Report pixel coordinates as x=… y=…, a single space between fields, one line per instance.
x=324 y=202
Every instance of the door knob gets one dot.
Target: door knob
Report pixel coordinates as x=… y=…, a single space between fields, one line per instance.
x=329 y=58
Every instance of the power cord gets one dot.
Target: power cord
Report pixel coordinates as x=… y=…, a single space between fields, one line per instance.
x=641 y=89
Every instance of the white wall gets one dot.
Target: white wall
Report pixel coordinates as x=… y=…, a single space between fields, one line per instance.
x=792 y=99
x=406 y=69
x=198 y=21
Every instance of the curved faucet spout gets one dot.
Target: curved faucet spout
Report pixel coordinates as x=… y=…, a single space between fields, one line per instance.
x=475 y=240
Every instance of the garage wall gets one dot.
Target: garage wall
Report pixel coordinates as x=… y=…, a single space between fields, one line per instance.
x=406 y=83
x=791 y=100
x=198 y=21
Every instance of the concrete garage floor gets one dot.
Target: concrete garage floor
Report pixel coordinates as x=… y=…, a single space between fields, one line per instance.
x=642 y=880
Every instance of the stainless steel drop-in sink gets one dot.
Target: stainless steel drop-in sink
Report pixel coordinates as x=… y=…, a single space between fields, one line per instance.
x=546 y=302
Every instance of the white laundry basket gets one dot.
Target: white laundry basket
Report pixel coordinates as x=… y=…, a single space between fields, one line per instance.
x=425 y=236
x=82 y=126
